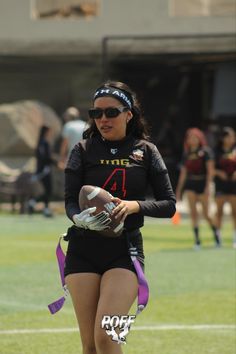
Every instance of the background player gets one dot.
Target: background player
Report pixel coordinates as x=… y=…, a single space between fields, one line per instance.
x=44 y=161
x=72 y=133
x=225 y=177
x=195 y=177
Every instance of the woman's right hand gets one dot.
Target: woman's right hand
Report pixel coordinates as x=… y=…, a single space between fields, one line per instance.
x=86 y=220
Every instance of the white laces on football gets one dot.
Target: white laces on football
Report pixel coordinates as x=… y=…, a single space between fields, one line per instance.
x=97 y=222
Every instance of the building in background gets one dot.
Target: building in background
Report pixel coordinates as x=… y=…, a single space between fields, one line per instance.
x=179 y=55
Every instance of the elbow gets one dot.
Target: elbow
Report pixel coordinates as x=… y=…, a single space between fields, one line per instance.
x=172 y=209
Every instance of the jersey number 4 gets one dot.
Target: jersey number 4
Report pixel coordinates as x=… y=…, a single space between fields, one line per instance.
x=116 y=182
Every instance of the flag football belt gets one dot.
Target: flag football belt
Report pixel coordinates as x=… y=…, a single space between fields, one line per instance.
x=143 y=290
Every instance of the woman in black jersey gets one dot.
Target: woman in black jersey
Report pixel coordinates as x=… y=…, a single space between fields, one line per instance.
x=225 y=177
x=117 y=156
x=44 y=161
x=195 y=177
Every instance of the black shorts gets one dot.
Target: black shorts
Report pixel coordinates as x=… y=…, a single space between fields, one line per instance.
x=197 y=186
x=90 y=252
x=224 y=187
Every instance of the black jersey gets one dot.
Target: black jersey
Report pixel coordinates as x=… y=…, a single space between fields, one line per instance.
x=226 y=161
x=195 y=162
x=43 y=155
x=125 y=169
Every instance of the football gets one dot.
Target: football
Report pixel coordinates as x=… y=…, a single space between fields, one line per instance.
x=92 y=196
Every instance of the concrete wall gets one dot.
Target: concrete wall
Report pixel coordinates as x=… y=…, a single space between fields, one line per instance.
x=20 y=33
x=56 y=81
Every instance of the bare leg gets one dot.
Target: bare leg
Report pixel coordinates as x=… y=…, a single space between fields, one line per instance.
x=232 y=200
x=84 y=290
x=203 y=198
x=119 y=288
x=192 y=201
x=220 y=201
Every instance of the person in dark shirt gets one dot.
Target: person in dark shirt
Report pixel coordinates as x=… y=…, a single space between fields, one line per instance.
x=196 y=174
x=225 y=177
x=44 y=160
x=116 y=155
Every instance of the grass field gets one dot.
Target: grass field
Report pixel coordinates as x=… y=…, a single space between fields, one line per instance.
x=192 y=294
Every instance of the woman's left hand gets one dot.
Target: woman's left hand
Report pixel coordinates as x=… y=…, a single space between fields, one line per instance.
x=124 y=208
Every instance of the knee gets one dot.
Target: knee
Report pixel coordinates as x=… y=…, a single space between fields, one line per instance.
x=219 y=212
x=103 y=342
x=207 y=217
x=233 y=210
x=234 y=215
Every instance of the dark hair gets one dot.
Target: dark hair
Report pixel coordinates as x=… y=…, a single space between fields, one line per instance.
x=225 y=132
x=43 y=131
x=137 y=126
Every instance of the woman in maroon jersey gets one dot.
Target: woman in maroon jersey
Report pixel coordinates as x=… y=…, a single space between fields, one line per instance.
x=225 y=177
x=117 y=156
x=195 y=177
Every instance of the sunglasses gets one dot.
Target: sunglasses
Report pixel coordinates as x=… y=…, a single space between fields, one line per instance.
x=110 y=112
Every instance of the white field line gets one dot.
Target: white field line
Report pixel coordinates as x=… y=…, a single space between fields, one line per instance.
x=21 y=306
x=174 y=327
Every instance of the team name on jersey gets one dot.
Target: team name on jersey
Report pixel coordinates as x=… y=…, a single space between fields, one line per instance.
x=116 y=162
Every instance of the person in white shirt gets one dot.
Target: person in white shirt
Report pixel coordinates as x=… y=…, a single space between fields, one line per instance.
x=72 y=133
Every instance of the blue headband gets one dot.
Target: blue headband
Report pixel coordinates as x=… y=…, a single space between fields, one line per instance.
x=116 y=93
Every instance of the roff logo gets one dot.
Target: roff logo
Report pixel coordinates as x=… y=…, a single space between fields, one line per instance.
x=123 y=323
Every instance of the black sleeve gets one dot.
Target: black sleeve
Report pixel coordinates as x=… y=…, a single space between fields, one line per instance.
x=73 y=181
x=164 y=204
x=43 y=154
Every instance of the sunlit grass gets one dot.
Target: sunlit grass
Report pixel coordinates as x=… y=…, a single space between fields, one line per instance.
x=186 y=287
